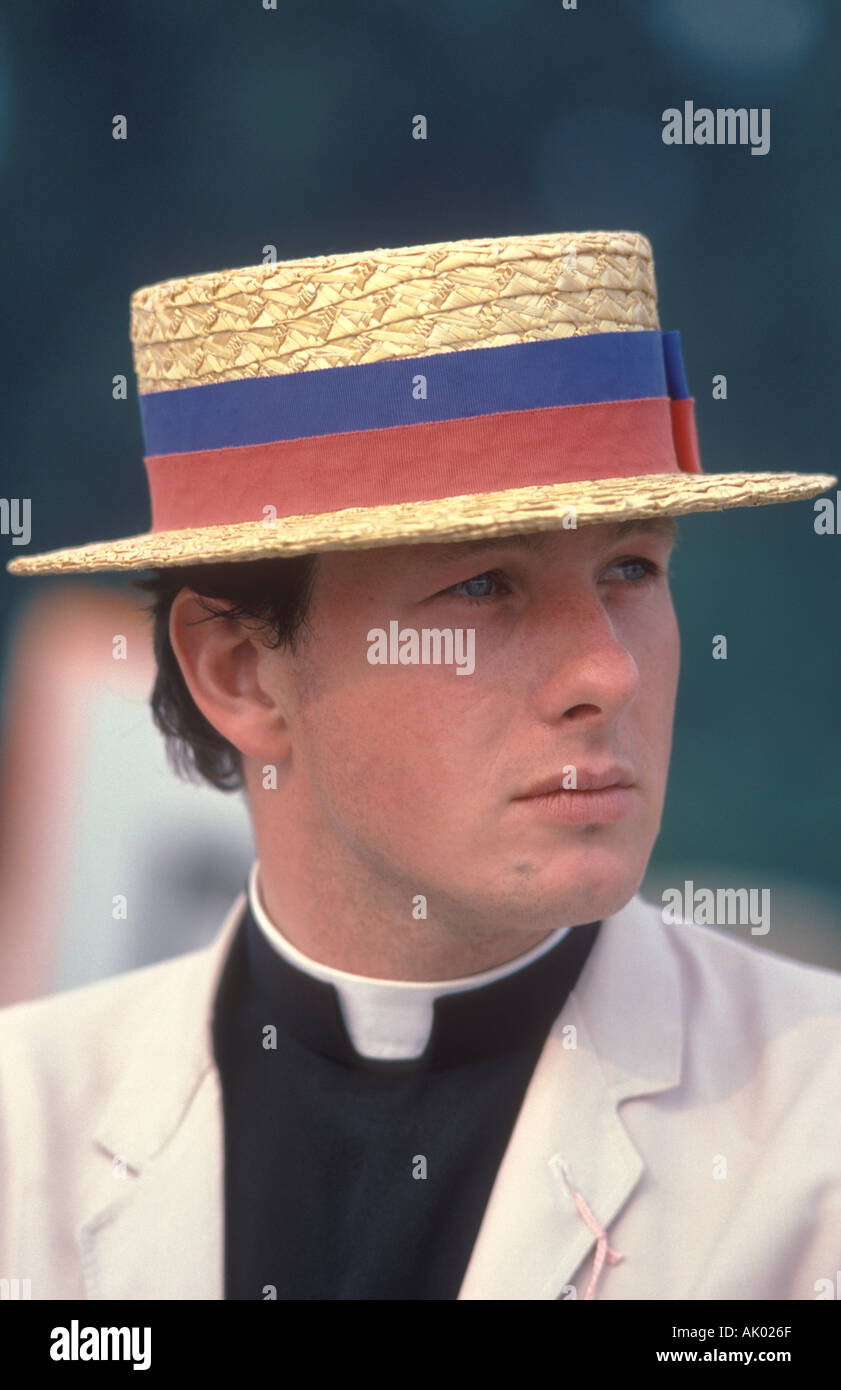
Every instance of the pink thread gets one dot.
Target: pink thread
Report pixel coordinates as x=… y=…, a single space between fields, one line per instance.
x=603 y=1250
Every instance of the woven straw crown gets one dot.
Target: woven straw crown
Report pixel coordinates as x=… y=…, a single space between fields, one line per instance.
x=337 y=311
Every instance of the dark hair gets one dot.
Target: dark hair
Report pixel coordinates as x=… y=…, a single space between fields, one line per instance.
x=275 y=593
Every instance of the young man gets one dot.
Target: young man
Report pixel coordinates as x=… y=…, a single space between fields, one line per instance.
x=412 y=519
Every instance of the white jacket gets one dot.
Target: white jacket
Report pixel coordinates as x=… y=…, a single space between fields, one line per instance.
x=689 y=1093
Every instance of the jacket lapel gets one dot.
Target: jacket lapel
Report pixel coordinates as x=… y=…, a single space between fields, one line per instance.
x=162 y=1235
x=569 y=1136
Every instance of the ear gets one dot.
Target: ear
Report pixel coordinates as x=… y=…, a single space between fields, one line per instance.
x=218 y=657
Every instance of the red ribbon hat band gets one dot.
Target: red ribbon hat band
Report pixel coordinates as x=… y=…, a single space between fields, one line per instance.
x=600 y=405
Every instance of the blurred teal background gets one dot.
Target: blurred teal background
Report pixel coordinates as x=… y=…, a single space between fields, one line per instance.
x=293 y=127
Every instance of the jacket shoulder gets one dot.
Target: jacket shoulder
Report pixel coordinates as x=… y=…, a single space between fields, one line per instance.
x=746 y=965
x=72 y=1007
x=772 y=1018
x=75 y=1045
x=130 y=994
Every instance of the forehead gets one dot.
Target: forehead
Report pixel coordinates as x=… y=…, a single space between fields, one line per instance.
x=537 y=542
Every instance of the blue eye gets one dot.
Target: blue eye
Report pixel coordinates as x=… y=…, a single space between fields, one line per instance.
x=491 y=585
x=650 y=569
x=461 y=589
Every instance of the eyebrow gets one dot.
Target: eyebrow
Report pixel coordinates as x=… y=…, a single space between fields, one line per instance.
x=537 y=541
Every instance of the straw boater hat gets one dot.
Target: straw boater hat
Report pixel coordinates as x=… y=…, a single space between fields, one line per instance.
x=441 y=392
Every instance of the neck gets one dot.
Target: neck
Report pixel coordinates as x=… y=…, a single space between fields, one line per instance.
x=343 y=914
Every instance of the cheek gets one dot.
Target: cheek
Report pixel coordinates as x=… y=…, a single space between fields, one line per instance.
x=386 y=743
x=652 y=638
x=671 y=659
x=660 y=674
x=656 y=642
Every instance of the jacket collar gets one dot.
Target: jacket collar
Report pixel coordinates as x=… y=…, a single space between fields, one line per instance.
x=162 y=1235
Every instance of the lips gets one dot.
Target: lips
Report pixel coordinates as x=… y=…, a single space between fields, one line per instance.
x=587 y=780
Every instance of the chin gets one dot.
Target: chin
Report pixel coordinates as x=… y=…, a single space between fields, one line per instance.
x=607 y=900
x=595 y=885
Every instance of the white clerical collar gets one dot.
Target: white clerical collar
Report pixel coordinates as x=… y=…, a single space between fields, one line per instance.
x=386 y=1019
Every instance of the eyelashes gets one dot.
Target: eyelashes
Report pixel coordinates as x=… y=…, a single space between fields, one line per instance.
x=650 y=568
x=498 y=576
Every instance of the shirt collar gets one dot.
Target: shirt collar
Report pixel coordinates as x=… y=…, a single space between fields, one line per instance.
x=394 y=1020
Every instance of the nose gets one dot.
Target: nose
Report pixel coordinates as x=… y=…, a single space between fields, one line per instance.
x=588 y=672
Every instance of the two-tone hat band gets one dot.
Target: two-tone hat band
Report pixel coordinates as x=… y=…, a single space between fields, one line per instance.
x=559 y=410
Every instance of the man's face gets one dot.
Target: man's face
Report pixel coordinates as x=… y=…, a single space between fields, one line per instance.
x=419 y=773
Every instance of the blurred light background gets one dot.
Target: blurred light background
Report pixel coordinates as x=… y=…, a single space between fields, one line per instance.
x=292 y=127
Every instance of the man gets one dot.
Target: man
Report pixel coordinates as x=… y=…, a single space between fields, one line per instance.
x=412 y=518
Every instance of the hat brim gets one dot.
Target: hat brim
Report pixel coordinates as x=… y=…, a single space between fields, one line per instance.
x=536 y=508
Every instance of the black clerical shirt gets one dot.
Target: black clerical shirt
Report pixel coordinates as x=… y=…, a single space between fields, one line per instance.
x=352 y=1178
